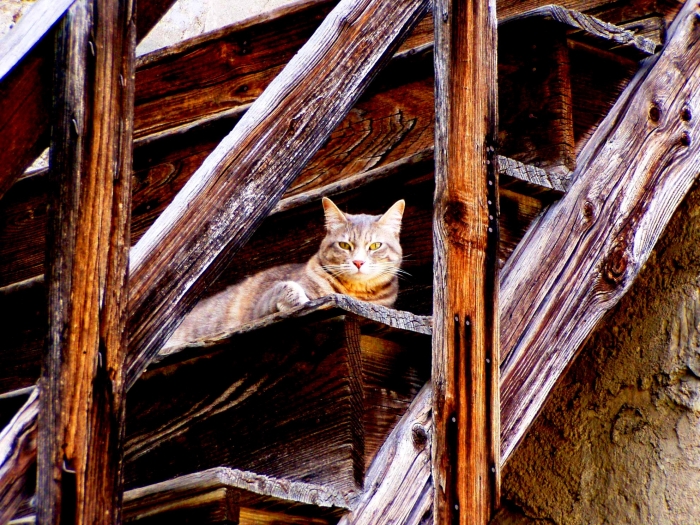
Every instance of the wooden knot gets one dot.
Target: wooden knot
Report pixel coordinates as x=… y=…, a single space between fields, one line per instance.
x=588 y=213
x=456 y=220
x=654 y=113
x=419 y=436
x=685 y=138
x=686 y=115
x=615 y=266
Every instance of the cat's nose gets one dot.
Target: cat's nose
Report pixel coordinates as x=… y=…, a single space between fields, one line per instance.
x=358 y=263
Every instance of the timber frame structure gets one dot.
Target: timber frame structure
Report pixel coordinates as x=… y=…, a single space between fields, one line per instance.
x=541 y=150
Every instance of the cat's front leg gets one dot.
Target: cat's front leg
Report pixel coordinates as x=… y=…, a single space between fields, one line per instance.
x=289 y=295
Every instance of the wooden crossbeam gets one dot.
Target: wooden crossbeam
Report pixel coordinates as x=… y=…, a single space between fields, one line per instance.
x=580 y=258
x=82 y=383
x=465 y=287
x=399 y=477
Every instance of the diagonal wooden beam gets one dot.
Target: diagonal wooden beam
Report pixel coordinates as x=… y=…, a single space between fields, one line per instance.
x=580 y=258
x=17 y=455
x=82 y=382
x=26 y=62
x=244 y=177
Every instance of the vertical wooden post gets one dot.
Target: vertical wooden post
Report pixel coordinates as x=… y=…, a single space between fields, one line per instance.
x=82 y=384
x=465 y=239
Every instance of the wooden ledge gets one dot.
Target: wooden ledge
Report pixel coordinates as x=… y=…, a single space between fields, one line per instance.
x=328 y=307
x=590 y=29
x=244 y=489
x=529 y=179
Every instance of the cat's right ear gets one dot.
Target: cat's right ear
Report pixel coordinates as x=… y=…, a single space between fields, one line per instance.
x=334 y=217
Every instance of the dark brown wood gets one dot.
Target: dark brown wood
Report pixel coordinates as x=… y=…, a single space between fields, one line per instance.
x=82 y=385
x=399 y=485
x=26 y=64
x=466 y=416
x=283 y=400
x=580 y=257
x=534 y=96
x=223 y=495
x=17 y=456
x=588 y=28
x=243 y=178
x=25 y=88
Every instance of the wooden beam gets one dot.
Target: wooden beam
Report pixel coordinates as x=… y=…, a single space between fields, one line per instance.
x=26 y=63
x=17 y=456
x=465 y=242
x=244 y=177
x=399 y=486
x=149 y=13
x=580 y=258
x=82 y=383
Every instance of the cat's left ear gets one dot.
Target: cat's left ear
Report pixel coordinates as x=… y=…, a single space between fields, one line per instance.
x=392 y=218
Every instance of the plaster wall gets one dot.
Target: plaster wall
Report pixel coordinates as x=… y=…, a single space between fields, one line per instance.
x=619 y=440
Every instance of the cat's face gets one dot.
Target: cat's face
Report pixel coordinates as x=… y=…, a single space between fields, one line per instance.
x=361 y=247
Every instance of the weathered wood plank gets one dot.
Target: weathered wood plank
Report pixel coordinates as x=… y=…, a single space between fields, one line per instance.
x=82 y=384
x=26 y=64
x=398 y=483
x=283 y=400
x=589 y=247
x=245 y=176
x=466 y=415
x=17 y=455
x=238 y=494
x=591 y=29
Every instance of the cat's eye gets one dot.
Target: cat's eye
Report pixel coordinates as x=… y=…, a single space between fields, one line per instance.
x=375 y=245
x=345 y=245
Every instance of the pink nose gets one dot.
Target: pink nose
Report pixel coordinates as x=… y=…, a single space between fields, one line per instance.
x=358 y=263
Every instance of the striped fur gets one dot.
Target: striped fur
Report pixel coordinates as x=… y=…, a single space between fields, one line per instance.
x=360 y=256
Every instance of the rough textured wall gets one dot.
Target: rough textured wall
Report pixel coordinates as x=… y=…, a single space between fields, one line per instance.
x=619 y=440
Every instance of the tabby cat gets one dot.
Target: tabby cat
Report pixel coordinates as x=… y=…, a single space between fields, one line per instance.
x=360 y=256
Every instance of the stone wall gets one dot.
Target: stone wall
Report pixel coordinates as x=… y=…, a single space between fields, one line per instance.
x=619 y=440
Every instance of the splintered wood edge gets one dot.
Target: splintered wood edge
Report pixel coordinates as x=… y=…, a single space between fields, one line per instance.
x=533 y=175
x=332 y=306
x=590 y=25
x=295 y=492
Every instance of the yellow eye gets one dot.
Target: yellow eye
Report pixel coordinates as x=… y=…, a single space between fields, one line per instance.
x=375 y=245
x=345 y=245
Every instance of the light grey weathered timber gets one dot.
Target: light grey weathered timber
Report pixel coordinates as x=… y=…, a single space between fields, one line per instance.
x=246 y=175
x=398 y=488
x=17 y=455
x=578 y=259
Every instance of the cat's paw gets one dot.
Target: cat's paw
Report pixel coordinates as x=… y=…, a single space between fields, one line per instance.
x=292 y=296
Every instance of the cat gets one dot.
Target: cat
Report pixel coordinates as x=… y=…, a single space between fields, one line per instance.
x=360 y=256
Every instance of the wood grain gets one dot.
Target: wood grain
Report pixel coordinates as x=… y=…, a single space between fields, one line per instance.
x=229 y=495
x=589 y=247
x=466 y=414
x=284 y=400
x=82 y=386
x=26 y=65
x=17 y=456
x=245 y=176
x=399 y=488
